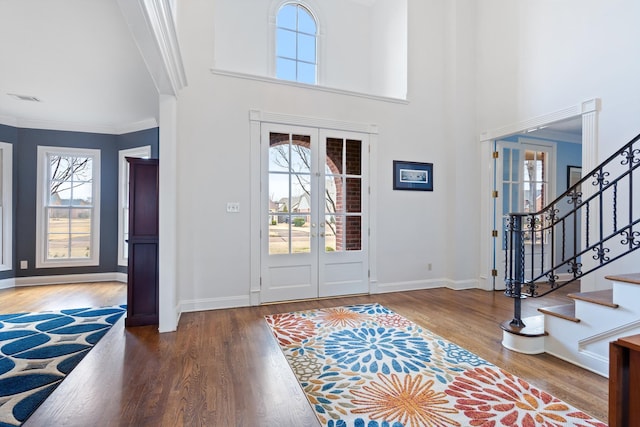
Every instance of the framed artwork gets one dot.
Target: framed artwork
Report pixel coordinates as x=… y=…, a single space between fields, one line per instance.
x=412 y=176
x=574 y=174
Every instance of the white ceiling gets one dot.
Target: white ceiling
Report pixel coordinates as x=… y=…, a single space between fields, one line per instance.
x=79 y=58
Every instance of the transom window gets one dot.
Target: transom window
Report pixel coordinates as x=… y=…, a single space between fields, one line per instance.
x=296 y=36
x=69 y=207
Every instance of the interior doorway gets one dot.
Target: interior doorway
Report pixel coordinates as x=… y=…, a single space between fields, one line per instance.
x=568 y=133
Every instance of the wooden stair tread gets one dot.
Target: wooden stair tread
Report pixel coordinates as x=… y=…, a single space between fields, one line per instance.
x=565 y=311
x=633 y=278
x=604 y=297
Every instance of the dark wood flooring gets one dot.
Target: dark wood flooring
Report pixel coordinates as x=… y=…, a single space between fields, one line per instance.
x=223 y=368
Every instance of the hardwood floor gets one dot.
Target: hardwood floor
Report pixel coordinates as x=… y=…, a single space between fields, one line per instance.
x=223 y=368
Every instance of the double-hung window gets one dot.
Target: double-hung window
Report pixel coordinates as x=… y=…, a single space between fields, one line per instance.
x=68 y=215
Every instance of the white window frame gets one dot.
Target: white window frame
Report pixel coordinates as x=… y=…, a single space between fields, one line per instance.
x=41 y=215
x=315 y=11
x=143 y=152
x=6 y=209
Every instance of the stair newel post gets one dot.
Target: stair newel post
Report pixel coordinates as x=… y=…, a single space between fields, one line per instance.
x=518 y=269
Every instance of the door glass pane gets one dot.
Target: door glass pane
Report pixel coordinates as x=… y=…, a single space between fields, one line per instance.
x=354 y=157
x=334 y=156
x=515 y=165
x=354 y=195
x=289 y=190
x=353 y=233
x=506 y=164
x=333 y=194
x=279 y=152
x=300 y=158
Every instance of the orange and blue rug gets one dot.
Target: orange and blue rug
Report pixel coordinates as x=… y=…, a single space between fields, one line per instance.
x=38 y=350
x=366 y=366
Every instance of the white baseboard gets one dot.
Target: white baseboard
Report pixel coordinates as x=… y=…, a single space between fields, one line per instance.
x=459 y=285
x=70 y=278
x=415 y=285
x=204 y=304
x=8 y=283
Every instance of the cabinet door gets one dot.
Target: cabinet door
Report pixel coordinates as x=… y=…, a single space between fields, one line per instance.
x=142 y=272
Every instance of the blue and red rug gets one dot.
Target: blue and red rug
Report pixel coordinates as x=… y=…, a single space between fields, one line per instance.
x=37 y=351
x=366 y=366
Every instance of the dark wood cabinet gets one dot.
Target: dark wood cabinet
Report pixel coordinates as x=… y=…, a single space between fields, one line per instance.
x=142 y=271
x=624 y=382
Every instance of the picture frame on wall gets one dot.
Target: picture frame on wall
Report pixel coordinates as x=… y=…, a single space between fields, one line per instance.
x=415 y=176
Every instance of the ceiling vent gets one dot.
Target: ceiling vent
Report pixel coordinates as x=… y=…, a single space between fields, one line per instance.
x=25 y=97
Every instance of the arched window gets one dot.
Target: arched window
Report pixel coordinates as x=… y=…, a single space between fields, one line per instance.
x=296 y=49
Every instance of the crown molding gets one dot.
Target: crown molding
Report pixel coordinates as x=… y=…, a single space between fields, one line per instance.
x=108 y=129
x=145 y=124
x=8 y=121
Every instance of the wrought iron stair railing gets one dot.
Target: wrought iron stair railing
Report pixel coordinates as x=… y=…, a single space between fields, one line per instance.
x=591 y=225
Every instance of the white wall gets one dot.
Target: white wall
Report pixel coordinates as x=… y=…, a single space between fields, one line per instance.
x=473 y=66
x=389 y=48
x=356 y=42
x=214 y=155
x=538 y=57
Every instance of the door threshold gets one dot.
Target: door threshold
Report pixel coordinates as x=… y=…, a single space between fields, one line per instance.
x=290 y=301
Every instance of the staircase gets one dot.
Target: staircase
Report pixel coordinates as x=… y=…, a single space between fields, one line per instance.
x=601 y=225
x=580 y=332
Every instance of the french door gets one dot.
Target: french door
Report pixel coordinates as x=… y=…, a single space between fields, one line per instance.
x=314 y=222
x=524 y=184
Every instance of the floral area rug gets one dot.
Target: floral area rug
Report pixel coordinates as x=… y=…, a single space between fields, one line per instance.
x=37 y=351
x=366 y=366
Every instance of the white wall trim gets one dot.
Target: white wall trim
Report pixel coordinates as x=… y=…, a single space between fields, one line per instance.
x=585 y=107
x=152 y=26
x=414 y=285
x=70 y=278
x=315 y=122
x=145 y=124
x=107 y=129
x=8 y=121
x=459 y=285
x=6 y=207
x=244 y=76
x=8 y=283
x=42 y=194
x=204 y=304
x=168 y=219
